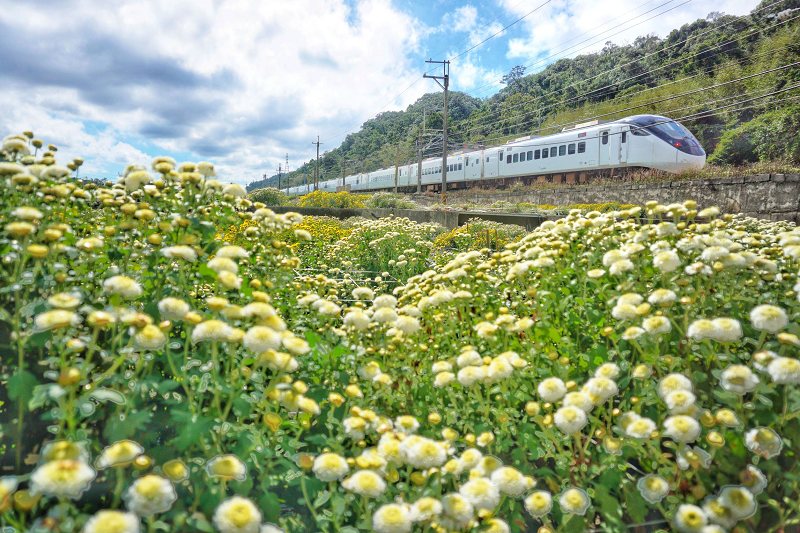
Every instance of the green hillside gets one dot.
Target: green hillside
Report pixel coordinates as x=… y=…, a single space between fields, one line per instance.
x=734 y=81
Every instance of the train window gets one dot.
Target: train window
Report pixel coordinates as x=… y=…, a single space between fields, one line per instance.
x=571 y=148
x=604 y=137
x=562 y=150
x=537 y=154
x=640 y=132
x=487 y=159
x=516 y=158
x=544 y=153
x=508 y=159
x=581 y=147
x=624 y=136
x=460 y=166
x=553 y=151
x=530 y=155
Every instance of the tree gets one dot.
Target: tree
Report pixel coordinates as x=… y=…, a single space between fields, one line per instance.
x=514 y=76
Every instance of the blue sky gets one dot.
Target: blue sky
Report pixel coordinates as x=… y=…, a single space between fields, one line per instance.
x=241 y=83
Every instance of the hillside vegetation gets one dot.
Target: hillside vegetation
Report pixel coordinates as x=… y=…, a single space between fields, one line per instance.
x=731 y=80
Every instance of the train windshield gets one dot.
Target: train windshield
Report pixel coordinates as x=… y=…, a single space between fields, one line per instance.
x=667 y=130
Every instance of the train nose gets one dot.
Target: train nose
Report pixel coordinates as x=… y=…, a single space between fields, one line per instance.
x=689 y=162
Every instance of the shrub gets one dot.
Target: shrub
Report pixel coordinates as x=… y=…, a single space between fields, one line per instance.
x=333 y=200
x=477 y=234
x=388 y=200
x=772 y=136
x=269 y=196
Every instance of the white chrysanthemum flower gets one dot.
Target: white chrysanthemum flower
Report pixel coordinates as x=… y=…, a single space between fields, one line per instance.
x=232 y=252
x=481 y=493
x=62 y=478
x=426 y=508
x=237 y=515
x=365 y=483
x=355 y=427
x=769 y=318
x=640 y=428
x=763 y=358
x=328 y=308
x=653 y=488
x=763 y=441
x=123 y=286
x=510 y=481
x=714 y=253
x=384 y=300
x=384 y=315
x=739 y=500
x=259 y=339
x=443 y=379
x=357 y=319
x=173 y=308
x=662 y=297
x=754 y=479
x=673 y=382
x=595 y=273
x=681 y=428
x=630 y=298
x=229 y=280
x=406 y=424
x=65 y=300
x=120 y=453
x=738 y=379
x=539 y=503
x=632 y=333
x=656 y=325
x=392 y=518
x=600 y=389
x=112 y=522
x=680 y=401
x=407 y=324
x=551 y=389
x=56 y=319
x=149 y=338
x=470 y=375
x=690 y=519
x=726 y=330
x=666 y=261
x=223 y=264
x=470 y=458
x=581 y=400
x=701 y=329
x=607 y=370
x=180 y=251
x=784 y=370
x=150 y=495
x=457 y=511
x=624 y=311
x=574 y=501
x=211 y=330
x=485 y=329
x=330 y=467
x=441 y=366
x=468 y=358
x=421 y=452
x=620 y=267
x=570 y=419
x=228 y=467
x=31 y=214
x=612 y=256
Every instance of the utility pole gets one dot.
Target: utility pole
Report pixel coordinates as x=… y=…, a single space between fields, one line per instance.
x=396 y=168
x=419 y=149
x=444 y=84
x=316 y=166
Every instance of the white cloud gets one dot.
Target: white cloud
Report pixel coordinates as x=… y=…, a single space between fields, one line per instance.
x=239 y=82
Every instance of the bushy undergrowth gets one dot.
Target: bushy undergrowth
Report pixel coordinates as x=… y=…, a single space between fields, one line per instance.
x=387 y=200
x=176 y=358
x=269 y=196
x=337 y=200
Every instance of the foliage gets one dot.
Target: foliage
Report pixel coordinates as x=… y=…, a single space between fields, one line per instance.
x=269 y=196
x=478 y=234
x=633 y=368
x=388 y=200
x=773 y=136
x=336 y=200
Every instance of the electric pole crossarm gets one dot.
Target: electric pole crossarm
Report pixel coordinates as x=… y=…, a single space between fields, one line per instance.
x=444 y=84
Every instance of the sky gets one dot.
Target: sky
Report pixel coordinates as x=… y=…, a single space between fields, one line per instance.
x=243 y=83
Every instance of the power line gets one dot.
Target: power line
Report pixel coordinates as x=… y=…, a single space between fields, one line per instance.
x=559 y=52
x=606 y=87
x=651 y=102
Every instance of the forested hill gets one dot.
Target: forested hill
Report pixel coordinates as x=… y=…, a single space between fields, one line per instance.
x=732 y=80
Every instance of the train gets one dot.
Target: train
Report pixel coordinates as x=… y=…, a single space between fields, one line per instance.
x=638 y=141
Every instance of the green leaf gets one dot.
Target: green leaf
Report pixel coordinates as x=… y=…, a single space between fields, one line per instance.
x=636 y=506
x=270 y=507
x=191 y=429
x=576 y=524
x=20 y=386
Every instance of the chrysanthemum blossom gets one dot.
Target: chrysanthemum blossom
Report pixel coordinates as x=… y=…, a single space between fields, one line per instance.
x=120 y=453
x=763 y=441
x=574 y=501
x=738 y=379
x=330 y=467
x=227 y=467
x=653 y=488
x=681 y=428
x=481 y=493
x=539 y=503
x=62 y=478
x=123 y=286
x=784 y=370
x=392 y=518
x=365 y=483
x=690 y=519
x=237 y=515
x=112 y=522
x=551 y=389
x=769 y=318
x=570 y=419
x=149 y=495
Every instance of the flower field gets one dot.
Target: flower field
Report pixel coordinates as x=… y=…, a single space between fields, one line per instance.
x=176 y=357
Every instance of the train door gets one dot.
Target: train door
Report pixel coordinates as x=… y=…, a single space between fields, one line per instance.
x=491 y=163
x=609 y=148
x=624 y=142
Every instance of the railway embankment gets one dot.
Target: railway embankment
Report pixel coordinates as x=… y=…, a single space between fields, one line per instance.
x=767 y=196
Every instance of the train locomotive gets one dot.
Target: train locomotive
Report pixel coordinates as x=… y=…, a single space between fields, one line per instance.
x=639 y=141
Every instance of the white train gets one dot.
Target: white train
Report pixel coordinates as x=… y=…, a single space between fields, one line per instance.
x=640 y=141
